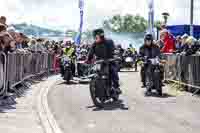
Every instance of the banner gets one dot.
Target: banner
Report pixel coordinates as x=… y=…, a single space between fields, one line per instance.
x=78 y=36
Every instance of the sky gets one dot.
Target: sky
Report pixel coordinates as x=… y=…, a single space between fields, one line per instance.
x=64 y=14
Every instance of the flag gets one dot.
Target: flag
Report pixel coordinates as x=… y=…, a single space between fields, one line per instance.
x=78 y=36
x=151 y=16
x=81 y=4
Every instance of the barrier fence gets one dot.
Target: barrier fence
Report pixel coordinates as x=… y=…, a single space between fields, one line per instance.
x=3 y=63
x=183 y=69
x=17 y=67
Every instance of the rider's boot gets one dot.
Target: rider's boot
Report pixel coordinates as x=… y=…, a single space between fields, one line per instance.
x=143 y=85
x=118 y=90
x=148 y=92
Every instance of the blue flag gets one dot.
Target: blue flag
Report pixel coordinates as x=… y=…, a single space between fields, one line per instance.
x=78 y=36
x=151 y=16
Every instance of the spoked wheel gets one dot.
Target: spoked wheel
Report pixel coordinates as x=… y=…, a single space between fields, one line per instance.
x=98 y=102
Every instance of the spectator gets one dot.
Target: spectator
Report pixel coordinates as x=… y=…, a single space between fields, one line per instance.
x=178 y=43
x=169 y=43
x=7 y=42
x=57 y=53
x=36 y=46
x=47 y=44
x=160 y=43
x=33 y=46
x=183 y=42
x=25 y=43
x=189 y=48
x=3 y=20
x=19 y=40
x=40 y=45
x=2 y=27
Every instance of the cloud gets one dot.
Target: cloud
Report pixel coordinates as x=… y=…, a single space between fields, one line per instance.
x=65 y=13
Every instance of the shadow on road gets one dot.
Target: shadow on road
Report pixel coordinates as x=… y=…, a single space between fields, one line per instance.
x=110 y=106
x=4 y=109
x=70 y=83
x=165 y=95
x=129 y=71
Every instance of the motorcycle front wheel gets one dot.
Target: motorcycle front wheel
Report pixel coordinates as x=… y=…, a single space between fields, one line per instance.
x=157 y=83
x=98 y=102
x=68 y=76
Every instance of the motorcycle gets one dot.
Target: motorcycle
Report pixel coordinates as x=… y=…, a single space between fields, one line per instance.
x=101 y=89
x=153 y=75
x=128 y=60
x=66 y=63
x=82 y=67
x=119 y=58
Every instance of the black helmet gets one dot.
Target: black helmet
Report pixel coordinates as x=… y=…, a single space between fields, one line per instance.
x=119 y=46
x=99 y=32
x=148 y=37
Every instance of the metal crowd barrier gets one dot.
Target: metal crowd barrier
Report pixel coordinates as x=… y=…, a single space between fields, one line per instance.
x=17 y=67
x=3 y=62
x=22 y=66
x=51 y=62
x=183 y=70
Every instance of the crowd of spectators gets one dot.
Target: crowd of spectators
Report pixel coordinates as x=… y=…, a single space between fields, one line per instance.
x=184 y=45
x=11 y=41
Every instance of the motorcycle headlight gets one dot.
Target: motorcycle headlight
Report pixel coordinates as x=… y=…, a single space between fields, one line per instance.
x=129 y=59
x=97 y=67
x=67 y=64
x=154 y=61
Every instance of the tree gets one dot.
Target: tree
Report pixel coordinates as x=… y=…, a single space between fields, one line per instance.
x=127 y=23
x=158 y=25
x=87 y=36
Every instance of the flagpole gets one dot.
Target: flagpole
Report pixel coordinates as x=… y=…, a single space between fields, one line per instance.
x=79 y=35
x=191 y=16
x=81 y=25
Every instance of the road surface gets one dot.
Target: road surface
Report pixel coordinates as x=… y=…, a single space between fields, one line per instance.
x=74 y=111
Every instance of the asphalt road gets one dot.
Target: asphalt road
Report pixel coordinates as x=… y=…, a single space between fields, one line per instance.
x=74 y=111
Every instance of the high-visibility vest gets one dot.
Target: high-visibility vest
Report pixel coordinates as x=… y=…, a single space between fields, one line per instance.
x=68 y=52
x=133 y=50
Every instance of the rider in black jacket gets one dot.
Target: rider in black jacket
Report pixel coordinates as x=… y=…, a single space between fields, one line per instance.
x=103 y=48
x=149 y=50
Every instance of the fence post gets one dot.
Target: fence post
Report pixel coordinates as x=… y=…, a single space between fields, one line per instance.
x=3 y=92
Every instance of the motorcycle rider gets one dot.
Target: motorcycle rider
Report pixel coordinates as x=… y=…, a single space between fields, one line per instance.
x=148 y=50
x=120 y=50
x=133 y=50
x=128 y=53
x=81 y=57
x=104 y=48
x=71 y=53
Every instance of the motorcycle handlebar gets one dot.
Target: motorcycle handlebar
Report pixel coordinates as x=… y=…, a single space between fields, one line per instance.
x=108 y=60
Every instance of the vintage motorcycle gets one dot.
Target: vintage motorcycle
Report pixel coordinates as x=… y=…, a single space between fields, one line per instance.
x=66 y=63
x=153 y=75
x=101 y=89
